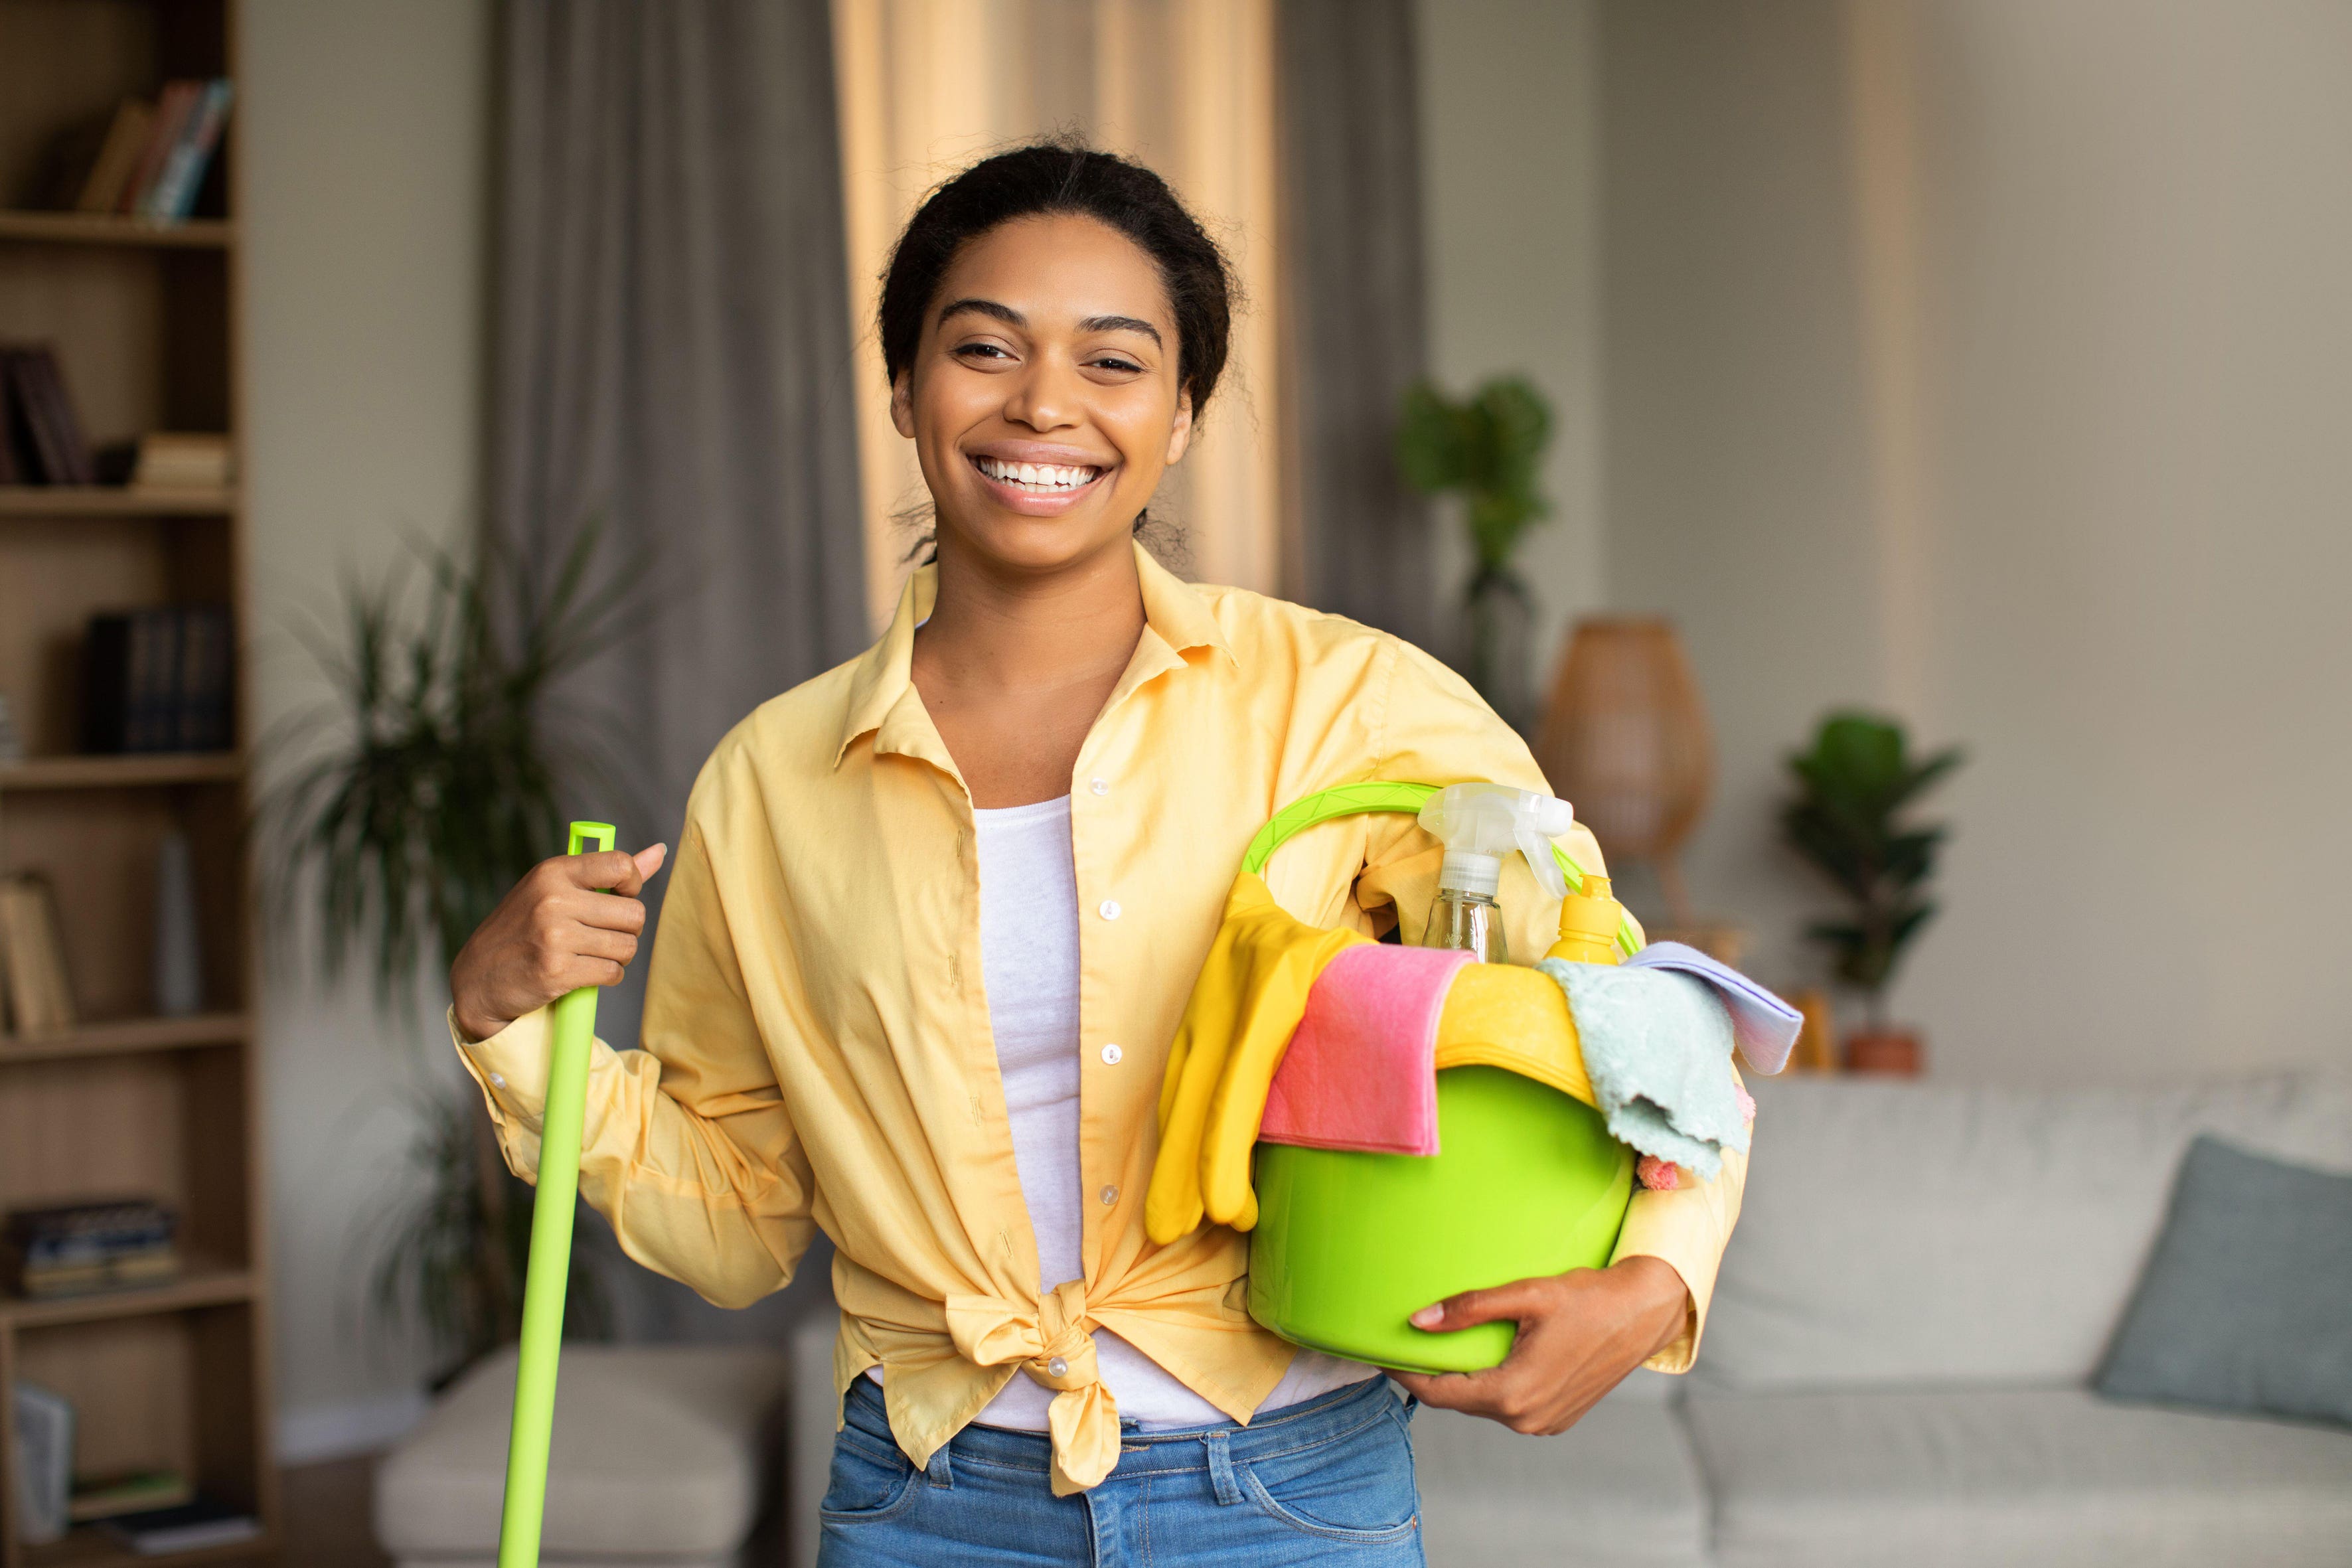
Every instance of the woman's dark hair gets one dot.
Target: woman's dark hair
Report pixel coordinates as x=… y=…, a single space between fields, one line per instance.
x=1057 y=177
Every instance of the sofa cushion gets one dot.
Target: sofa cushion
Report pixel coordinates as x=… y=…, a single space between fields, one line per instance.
x=1617 y=1488
x=2247 y=1304
x=658 y=1457
x=2023 y=1478
x=1914 y=1233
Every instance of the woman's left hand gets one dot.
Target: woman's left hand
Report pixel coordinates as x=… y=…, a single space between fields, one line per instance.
x=1580 y=1333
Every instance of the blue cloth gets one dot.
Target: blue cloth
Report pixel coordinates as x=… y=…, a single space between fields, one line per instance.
x=1328 y=1482
x=1657 y=1047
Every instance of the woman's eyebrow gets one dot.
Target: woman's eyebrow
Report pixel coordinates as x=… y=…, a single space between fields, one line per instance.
x=1119 y=324
x=1005 y=313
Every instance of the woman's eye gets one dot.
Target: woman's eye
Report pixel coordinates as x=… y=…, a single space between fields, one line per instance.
x=1113 y=361
x=976 y=351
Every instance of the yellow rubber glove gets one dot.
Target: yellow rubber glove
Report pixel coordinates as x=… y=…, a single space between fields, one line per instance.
x=1249 y=995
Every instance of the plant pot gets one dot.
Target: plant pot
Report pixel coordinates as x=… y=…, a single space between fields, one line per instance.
x=1895 y=1051
x=1498 y=644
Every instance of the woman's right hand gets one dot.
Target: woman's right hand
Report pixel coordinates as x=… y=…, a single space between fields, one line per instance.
x=572 y=922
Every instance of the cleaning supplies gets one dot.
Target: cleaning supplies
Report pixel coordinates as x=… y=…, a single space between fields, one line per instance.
x=561 y=1126
x=1479 y=823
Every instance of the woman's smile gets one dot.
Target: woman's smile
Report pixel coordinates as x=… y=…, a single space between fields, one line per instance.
x=1038 y=482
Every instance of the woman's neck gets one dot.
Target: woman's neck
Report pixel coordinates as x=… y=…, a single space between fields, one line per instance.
x=1014 y=666
x=993 y=628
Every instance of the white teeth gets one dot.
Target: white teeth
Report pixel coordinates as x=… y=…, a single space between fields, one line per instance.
x=1037 y=475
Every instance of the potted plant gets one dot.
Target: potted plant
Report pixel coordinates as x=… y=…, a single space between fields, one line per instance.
x=1847 y=819
x=411 y=800
x=1486 y=450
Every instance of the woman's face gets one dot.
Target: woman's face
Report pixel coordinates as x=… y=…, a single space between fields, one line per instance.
x=1043 y=398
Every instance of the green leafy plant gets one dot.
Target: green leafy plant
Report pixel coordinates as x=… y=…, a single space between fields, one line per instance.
x=1847 y=818
x=1487 y=448
x=411 y=800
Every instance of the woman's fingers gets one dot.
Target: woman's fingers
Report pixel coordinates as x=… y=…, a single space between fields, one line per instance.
x=1511 y=1302
x=620 y=946
x=608 y=871
x=573 y=920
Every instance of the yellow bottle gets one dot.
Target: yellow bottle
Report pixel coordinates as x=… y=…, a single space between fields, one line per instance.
x=1589 y=923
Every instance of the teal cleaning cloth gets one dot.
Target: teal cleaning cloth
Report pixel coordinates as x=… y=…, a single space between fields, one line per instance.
x=1657 y=1046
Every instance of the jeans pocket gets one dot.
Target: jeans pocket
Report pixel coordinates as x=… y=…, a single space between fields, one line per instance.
x=868 y=1481
x=1357 y=1486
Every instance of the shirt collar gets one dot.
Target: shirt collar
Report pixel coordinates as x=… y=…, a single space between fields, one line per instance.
x=1175 y=615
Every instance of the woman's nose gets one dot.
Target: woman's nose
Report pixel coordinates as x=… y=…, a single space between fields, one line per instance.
x=1047 y=396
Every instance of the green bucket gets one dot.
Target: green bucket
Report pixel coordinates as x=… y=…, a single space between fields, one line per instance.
x=1348 y=1245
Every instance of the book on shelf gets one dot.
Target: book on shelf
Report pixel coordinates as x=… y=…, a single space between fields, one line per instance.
x=180 y=460
x=147 y=160
x=173 y=195
x=134 y=1492
x=44 y=1452
x=190 y=1527
x=43 y=431
x=69 y=1250
x=32 y=958
x=117 y=156
x=158 y=680
x=171 y=111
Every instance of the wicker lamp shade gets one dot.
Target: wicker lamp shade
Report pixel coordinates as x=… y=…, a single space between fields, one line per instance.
x=1625 y=737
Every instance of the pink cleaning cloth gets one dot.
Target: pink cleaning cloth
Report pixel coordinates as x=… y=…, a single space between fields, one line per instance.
x=1362 y=1070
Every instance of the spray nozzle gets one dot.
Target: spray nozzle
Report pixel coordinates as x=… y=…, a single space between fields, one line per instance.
x=1481 y=823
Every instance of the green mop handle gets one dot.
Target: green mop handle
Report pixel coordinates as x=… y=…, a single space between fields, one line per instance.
x=561 y=1123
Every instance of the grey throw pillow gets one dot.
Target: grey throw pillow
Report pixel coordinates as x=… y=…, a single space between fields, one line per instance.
x=2247 y=1303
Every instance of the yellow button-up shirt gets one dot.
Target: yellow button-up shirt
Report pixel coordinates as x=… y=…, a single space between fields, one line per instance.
x=817 y=1050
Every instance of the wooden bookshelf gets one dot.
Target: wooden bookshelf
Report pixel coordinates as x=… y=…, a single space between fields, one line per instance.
x=143 y=319
x=112 y=500
x=83 y=228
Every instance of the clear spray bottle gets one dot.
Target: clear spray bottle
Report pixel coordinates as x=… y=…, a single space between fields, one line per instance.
x=1480 y=824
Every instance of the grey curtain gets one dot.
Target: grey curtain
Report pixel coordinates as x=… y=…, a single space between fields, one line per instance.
x=1355 y=302
x=673 y=356
x=672 y=361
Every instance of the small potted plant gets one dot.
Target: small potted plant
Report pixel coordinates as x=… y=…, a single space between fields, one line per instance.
x=1487 y=448
x=1847 y=819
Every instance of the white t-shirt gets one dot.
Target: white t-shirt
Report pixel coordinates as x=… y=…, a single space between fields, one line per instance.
x=1029 y=961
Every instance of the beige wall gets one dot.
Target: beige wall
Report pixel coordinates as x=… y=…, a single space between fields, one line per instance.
x=1509 y=188
x=366 y=166
x=1992 y=360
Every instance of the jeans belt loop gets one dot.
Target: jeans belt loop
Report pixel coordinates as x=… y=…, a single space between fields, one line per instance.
x=937 y=1473
x=1221 y=1469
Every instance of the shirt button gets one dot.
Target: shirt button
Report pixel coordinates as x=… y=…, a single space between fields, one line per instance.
x=1058 y=1367
x=1109 y=1195
x=498 y=1080
x=1107 y=908
x=1110 y=1055
x=1100 y=786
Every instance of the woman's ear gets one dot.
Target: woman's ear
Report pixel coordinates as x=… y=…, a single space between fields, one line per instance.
x=902 y=403
x=1179 y=435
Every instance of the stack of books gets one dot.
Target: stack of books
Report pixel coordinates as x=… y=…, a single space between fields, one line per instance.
x=78 y=1247
x=159 y=680
x=167 y=461
x=152 y=158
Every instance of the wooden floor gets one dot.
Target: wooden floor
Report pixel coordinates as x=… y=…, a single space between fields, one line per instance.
x=329 y=1514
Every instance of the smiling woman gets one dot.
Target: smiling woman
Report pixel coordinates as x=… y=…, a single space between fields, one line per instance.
x=933 y=926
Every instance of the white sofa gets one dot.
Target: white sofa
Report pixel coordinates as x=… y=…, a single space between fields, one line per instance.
x=1897 y=1368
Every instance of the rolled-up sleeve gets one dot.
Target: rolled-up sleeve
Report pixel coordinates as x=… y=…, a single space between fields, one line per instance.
x=687 y=1147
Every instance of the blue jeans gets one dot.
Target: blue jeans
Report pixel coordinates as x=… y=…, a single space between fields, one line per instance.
x=1325 y=1482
